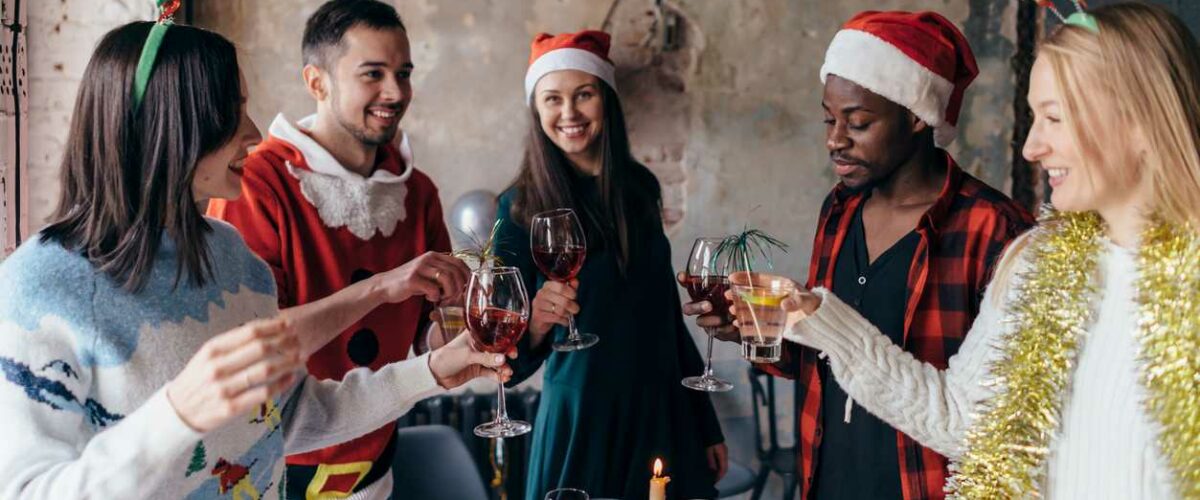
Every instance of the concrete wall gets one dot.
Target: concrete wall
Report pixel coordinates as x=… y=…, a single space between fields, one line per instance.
x=730 y=121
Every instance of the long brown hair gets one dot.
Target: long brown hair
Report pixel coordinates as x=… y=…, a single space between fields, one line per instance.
x=629 y=194
x=127 y=172
x=1142 y=68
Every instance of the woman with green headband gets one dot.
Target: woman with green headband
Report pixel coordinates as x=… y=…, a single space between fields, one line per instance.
x=1080 y=376
x=142 y=351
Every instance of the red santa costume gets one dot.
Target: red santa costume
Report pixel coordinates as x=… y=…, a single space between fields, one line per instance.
x=321 y=228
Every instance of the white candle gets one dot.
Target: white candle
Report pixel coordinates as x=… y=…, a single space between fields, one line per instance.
x=658 y=483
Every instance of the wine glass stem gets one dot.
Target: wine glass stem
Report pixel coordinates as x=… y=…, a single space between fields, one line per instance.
x=574 y=333
x=708 y=358
x=501 y=408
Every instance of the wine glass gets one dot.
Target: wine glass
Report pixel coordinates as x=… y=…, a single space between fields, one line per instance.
x=451 y=320
x=497 y=312
x=558 y=248
x=707 y=279
x=567 y=494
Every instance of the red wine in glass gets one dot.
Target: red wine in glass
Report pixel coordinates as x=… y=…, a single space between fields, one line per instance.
x=559 y=264
x=712 y=289
x=707 y=279
x=496 y=330
x=497 y=311
x=559 y=248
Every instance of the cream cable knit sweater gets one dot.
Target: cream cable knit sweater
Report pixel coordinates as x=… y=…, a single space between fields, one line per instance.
x=1106 y=446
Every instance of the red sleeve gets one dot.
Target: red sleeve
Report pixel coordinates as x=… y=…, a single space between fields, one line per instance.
x=1013 y=221
x=257 y=216
x=436 y=232
x=437 y=237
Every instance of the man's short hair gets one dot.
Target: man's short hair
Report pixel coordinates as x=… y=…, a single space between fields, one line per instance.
x=325 y=28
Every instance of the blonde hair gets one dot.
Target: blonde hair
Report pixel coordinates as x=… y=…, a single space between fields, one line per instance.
x=1145 y=66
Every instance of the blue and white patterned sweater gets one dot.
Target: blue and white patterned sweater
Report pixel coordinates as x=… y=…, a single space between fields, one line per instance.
x=83 y=410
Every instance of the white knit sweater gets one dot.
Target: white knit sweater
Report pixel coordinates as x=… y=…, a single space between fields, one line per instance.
x=1106 y=446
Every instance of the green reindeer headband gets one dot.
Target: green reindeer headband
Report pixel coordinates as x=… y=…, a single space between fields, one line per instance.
x=1080 y=18
x=166 y=18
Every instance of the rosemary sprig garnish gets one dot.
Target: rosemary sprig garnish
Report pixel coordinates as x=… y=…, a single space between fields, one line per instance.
x=481 y=250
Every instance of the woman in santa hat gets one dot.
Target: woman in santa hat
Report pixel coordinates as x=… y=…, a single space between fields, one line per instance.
x=609 y=410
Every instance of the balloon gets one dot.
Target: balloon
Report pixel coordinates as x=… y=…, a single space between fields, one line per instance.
x=471 y=217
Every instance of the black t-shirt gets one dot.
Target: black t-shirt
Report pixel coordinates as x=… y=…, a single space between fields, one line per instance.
x=859 y=459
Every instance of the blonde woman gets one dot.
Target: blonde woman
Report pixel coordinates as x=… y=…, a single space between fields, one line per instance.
x=1079 y=376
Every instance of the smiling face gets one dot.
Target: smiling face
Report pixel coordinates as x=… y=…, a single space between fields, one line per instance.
x=369 y=84
x=868 y=136
x=1079 y=183
x=219 y=173
x=571 y=113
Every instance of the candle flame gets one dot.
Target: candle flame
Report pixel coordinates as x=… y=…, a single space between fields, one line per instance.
x=658 y=467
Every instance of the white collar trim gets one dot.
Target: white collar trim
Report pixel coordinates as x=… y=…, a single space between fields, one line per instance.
x=319 y=160
x=363 y=205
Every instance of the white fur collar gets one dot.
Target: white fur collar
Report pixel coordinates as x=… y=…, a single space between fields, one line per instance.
x=363 y=205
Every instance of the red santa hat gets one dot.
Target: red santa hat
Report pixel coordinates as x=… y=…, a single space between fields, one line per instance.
x=585 y=51
x=919 y=60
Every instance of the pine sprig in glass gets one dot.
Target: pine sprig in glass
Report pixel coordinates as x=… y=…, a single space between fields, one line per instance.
x=757 y=297
x=743 y=248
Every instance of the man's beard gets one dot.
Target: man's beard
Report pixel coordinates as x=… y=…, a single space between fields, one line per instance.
x=360 y=133
x=365 y=137
x=868 y=184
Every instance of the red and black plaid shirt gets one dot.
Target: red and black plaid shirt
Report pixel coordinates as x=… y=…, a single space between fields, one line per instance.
x=962 y=236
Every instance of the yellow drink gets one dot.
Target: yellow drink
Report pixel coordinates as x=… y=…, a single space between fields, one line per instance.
x=761 y=317
x=453 y=321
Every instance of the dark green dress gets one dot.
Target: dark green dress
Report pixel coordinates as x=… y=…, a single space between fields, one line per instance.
x=607 y=412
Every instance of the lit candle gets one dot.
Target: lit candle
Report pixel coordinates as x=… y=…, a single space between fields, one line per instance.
x=658 y=483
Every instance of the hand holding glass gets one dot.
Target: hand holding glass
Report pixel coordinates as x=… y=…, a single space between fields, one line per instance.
x=497 y=312
x=707 y=280
x=758 y=305
x=559 y=247
x=451 y=321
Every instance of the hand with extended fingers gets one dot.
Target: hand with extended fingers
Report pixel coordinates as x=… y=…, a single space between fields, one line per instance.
x=235 y=372
x=436 y=276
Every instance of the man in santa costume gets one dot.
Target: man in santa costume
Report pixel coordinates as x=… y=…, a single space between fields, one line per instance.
x=906 y=237
x=329 y=200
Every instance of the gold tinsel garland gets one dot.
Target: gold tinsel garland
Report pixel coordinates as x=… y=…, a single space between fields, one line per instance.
x=1007 y=446
x=1169 y=330
x=1008 y=443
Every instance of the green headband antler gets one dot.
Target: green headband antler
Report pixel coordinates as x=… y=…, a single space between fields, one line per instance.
x=1080 y=18
x=166 y=17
